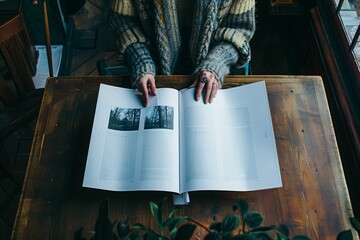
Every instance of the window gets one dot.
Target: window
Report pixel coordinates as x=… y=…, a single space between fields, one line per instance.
x=349 y=14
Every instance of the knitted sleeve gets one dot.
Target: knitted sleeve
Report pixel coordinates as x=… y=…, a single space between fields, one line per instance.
x=138 y=59
x=238 y=27
x=125 y=25
x=218 y=61
x=133 y=46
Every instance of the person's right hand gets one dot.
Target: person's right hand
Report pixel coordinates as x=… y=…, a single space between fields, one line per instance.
x=146 y=85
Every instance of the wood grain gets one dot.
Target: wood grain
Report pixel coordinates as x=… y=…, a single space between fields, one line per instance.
x=313 y=200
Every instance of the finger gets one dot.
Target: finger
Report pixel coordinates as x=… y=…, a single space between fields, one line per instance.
x=152 y=87
x=209 y=87
x=145 y=93
x=199 y=88
x=207 y=92
x=214 y=90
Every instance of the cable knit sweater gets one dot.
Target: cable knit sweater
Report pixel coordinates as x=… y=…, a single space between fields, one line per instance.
x=149 y=41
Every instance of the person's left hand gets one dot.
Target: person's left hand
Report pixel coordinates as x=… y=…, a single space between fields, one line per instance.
x=206 y=81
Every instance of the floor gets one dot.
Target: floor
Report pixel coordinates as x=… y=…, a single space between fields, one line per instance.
x=272 y=53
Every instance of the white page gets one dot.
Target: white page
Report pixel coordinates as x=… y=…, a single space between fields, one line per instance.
x=42 y=67
x=137 y=153
x=228 y=144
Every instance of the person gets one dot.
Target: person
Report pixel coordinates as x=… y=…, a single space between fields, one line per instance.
x=149 y=41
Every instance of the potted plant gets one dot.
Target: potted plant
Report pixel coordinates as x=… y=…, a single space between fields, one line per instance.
x=241 y=224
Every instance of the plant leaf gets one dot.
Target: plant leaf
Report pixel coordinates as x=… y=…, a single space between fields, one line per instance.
x=216 y=226
x=355 y=223
x=263 y=229
x=122 y=229
x=185 y=232
x=301 y=237
x=78 y=233
x=283 y=229
x=151 y=235
x=169 y=222
x=103 y=226
x=229 y=223
x=263 y=236
x=253 y=219
x=281 y=237
x=243 y=207
x=172 y=222
x=212 y=236
x=135 y=236
x=138 y=227
x=155 y=212
x=345 y=235
x=161 y=217
x=244 y=237
x=173 y=233
x=173 y=212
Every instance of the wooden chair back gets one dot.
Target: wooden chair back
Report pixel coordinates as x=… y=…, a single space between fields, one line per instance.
x=18 y=59
x=19 y=101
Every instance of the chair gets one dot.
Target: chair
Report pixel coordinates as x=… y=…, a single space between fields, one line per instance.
x=241 y=70
x=73 y=38
x=104 y=69
x=19 y=101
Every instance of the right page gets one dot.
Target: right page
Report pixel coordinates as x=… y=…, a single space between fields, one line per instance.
x=228 y=144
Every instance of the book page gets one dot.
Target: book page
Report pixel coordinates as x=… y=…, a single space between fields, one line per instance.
x=228 y=144
x=132 y=147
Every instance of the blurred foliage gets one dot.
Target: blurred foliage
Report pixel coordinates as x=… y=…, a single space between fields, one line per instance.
x=242 y=224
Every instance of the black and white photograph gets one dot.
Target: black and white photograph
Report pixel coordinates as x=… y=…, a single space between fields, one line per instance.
x=159 y=117
x=124 y=119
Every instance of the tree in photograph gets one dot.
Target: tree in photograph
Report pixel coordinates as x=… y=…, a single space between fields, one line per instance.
x=125 y=119
x=160 y=117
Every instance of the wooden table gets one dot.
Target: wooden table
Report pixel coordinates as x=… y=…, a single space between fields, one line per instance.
x=313 y=201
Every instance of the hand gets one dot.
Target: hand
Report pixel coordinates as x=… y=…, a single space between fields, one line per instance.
x=206 y=81
x=146 y=85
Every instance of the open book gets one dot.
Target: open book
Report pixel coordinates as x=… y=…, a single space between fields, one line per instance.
x=180 y=145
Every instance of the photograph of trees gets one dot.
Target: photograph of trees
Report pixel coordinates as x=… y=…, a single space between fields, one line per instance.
x=159 y=117
x=124 y=119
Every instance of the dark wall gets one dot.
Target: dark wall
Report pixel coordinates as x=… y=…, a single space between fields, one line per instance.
x=58 y=11
x=35 y=22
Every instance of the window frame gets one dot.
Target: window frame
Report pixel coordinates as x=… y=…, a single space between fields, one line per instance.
x=342 y=83
x=352 y=40
x=331 y=12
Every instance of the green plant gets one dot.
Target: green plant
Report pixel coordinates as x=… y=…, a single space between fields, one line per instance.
x=347 y=234
x=242 y=224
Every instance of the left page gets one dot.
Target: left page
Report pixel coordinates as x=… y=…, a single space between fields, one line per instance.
x=134 y=148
